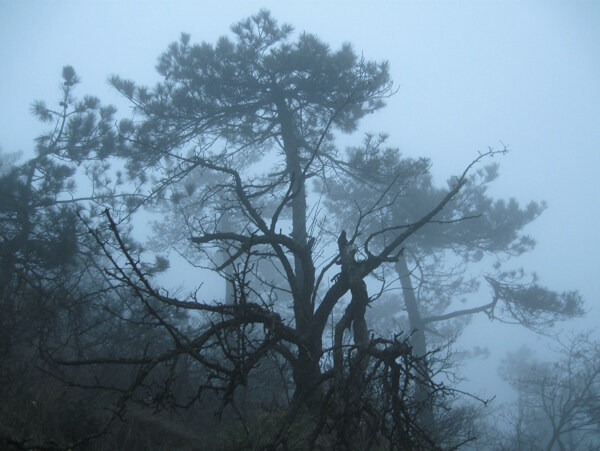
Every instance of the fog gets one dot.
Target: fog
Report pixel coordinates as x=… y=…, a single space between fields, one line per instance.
x=470 y=76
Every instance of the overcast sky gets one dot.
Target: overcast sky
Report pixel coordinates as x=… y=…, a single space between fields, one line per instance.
x=470 y=75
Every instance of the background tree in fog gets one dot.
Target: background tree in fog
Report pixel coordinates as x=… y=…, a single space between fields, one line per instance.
x=559 y=402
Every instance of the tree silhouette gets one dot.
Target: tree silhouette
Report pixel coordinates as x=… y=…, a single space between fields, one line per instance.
x=223 y=150
x=471 y=227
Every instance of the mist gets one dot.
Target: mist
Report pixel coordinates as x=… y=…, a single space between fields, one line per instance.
x=374 y=228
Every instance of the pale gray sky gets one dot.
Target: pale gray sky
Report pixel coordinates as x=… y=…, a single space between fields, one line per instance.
x=471 y=75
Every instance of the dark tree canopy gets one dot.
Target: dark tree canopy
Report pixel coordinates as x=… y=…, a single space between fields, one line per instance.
x=258 y=91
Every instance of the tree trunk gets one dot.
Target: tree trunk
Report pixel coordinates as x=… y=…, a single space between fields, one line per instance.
x=555 y=439
x=419 y=344
x=225 y=226
x=303 y=277
x=307 y=378
x=307 y=369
